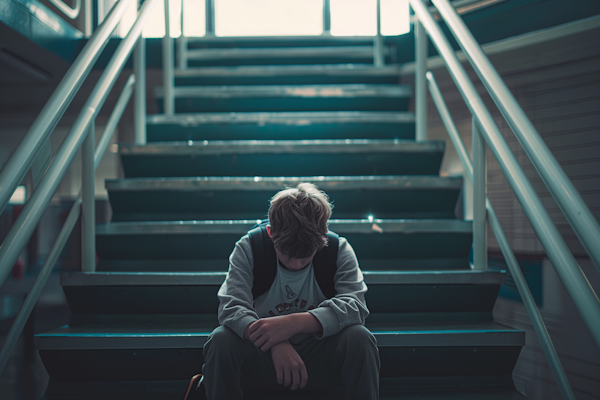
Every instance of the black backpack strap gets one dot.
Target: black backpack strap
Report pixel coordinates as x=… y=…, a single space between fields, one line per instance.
x=325 y=265
x=265 y=259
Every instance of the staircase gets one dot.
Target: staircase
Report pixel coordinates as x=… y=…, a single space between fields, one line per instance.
x=317 y=111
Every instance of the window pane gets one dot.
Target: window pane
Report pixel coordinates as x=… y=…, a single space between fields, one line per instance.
x=353 y=17
x=19 y=196
x=395 y=17
x=104 y=7
x=128 y=19
x=194 y=17
x=155 y=27
x=268 y=17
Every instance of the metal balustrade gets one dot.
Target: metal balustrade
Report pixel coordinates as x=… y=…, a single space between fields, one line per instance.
x=560 y=186
x=484 y=129
x=68 y=11
x=569 y=200
x=22 y=158
x=80 y=135
x=513 y=266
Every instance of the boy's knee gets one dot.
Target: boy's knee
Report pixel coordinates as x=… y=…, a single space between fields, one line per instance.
x=357 y=339
x=358 y=345
x=358 y=335
x=222 y=339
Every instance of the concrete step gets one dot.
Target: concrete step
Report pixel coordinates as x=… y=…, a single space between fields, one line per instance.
x=281 y=125
x=74 y=353
x=99 y=337
x=295 y=50
x=282 y=158
x=206 y=245
x=346 y=97
x=237 y=53
x=422 y=388
x=308 y=53
x=391 y=295
x=211 y=42
x=202 y=198
x=288 y=75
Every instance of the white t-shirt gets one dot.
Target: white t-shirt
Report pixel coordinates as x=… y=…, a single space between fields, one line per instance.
x=237 y=308
x=291 y=292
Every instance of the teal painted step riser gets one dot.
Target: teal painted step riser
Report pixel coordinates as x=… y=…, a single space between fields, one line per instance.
x=278 y=42
x=284 y=61
x=127 y=216
x=283 y=80
x=427 y=388
x=203 y=299
x=188 y=105
x=181 y=364
x=243 y=204
x=210 y=321
x=173 y=132
x=214 y=246
x=325 y=164
x=221 y=264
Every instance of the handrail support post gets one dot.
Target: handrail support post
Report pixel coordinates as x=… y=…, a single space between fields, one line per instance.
x=421 y=43
x=139 y=112
x=168 y=61
x=479 y=199
x=88 y=18
x=88 y=198
x=182 y=45
x=326 y=17
x=378 y=56
x=210 y=17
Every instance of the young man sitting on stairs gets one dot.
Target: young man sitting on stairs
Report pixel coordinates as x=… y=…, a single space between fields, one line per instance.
x=292 y=308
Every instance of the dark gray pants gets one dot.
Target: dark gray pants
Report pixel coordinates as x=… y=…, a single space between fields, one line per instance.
x=351 y=357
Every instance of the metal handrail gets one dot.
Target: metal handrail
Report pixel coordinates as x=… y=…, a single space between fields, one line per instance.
x=68 y=11
x=63 y=236
x=580 y=290
x=515 y=270
x=567 y=197
x=35 y=207
x=22 y=158
x=39 y=201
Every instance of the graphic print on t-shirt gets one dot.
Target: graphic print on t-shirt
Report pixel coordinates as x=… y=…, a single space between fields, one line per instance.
x=291 y=292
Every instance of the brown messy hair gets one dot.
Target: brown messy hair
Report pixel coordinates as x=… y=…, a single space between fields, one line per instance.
x=298 y=218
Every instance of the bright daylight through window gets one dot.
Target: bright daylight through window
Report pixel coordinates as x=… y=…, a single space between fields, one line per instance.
x=273 y=18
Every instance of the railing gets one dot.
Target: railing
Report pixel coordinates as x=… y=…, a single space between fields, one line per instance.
x=484 y=128
x=182 y=40
x=578 y=214
x=73 y=13
x=68 y=11
x=81 y=134
x=513 y=266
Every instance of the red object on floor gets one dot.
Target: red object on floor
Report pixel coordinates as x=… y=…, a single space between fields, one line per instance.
x=18 y=270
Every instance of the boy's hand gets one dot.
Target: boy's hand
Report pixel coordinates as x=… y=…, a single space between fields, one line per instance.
x=247 y=330
x=289 y=366
x=267 y=332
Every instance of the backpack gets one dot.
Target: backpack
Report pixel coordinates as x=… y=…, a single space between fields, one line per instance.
x=265 y=261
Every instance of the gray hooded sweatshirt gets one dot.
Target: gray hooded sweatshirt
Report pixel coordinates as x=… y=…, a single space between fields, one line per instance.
x=292 y=292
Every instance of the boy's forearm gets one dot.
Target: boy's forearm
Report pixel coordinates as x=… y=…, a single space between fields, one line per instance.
x=303 y=322
x=306 y=322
